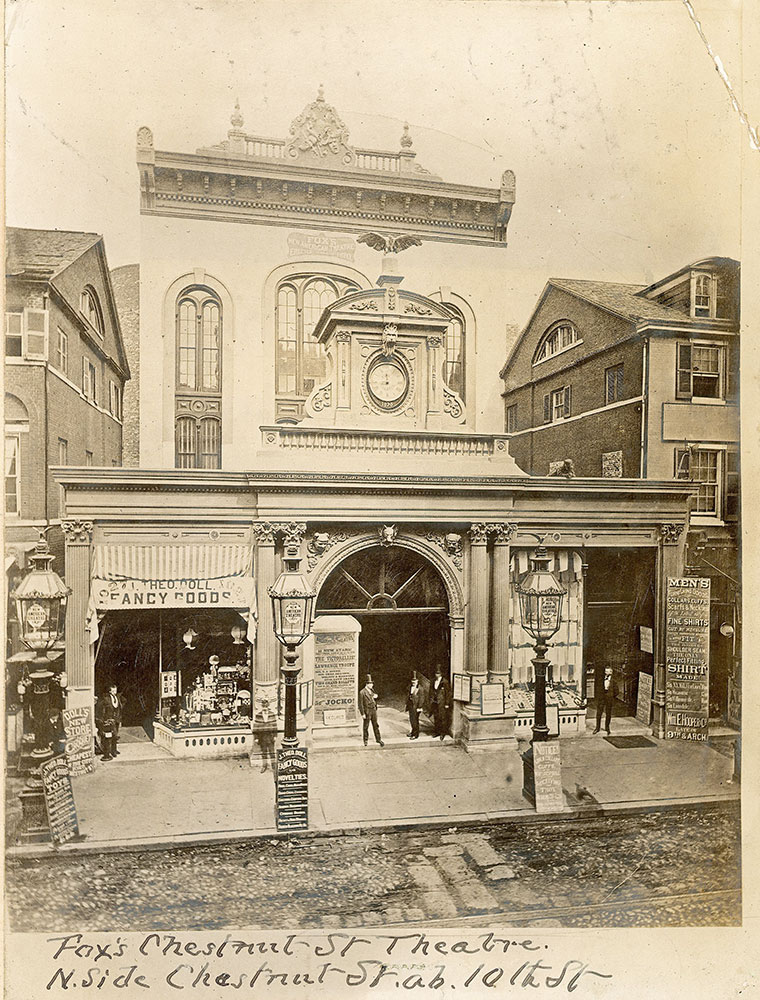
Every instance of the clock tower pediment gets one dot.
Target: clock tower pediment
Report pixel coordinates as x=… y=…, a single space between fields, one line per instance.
x=386 y=353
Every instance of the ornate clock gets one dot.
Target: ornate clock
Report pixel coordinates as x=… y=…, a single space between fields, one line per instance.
x=387 y=383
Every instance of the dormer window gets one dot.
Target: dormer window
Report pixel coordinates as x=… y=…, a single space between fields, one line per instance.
x=702 y=295
x=557 y=338
x=90 y=309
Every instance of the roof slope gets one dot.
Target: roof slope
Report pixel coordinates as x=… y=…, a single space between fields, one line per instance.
x=624 y=300
x=44 y=252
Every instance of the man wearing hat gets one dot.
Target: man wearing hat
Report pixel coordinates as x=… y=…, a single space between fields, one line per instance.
x=368 y=710
x=414 y=707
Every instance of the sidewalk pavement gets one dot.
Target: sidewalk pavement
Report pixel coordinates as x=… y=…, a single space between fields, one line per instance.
x=129 y=804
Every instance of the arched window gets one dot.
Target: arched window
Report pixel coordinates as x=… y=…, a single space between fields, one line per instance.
x=702 y=295
x=557 y=338
x=300 y=301
x=198 y=439
x=89 y=306
x=454 y=365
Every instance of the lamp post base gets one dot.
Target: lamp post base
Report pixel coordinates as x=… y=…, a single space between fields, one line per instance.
x=542 y=777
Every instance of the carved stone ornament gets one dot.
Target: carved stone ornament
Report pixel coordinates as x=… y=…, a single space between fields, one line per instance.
x=365 y=304
x=670 y=533
x=452 y=404
x=504 y=533
x=479 y=533
x=392 y=299
x=344 y=337
x=388 y=243
x=319 y=543
x=320 y=132
x=322 y=398
x=414 y=307
x=434 y=341
x=264 y=532
x=388 y=534
x=390 y=339
x=292 y=532
x=77 y=531
x=144 y=138
x=451 y=543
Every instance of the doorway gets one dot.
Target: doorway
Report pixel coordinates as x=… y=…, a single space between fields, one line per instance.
x=400 y=600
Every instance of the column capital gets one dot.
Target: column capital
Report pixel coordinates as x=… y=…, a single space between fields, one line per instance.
x=479 y=533
x=292 y=531
x=504 y=532
x=77 y=531
x=264 y=532
x=670 y=533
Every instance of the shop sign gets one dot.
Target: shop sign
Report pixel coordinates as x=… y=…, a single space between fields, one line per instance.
x=547 y=776
x=292 y=789
x=59 y=799
x=687 y=659
x=218 y=592
x=644 y=699
x=335 y=672
x=80 y=741
x=324 y=246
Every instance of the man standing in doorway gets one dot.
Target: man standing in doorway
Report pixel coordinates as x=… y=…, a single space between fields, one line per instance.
x=604 y=699
x=368 y=710
x=414 y=707
x=440 y=704
x=108 y=719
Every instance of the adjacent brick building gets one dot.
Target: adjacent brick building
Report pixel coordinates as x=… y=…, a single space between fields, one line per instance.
x=635 y=381
x=65 y=372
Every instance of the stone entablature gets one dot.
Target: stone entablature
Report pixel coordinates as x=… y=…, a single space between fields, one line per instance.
x=400 y=443
x=316 y=178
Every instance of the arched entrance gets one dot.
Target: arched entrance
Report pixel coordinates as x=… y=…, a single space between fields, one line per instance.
x=400 y=600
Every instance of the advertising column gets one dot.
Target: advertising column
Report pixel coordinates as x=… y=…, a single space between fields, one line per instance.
x=687 y=659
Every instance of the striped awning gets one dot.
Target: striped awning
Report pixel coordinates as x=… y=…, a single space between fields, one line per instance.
x=172 y=576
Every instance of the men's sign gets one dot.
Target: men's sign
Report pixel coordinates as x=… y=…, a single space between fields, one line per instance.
x=687 y=659
x=59 y=799
x=292 y=789
x=80 y=740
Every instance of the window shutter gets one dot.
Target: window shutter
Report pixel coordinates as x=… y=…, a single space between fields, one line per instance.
x=682 y=468
x=683 y=371
x=619 y=387
x=547 y=409
x=85 y=378
x=566 y=408
x=732 y=371
x=35 y=332
x=731 y=500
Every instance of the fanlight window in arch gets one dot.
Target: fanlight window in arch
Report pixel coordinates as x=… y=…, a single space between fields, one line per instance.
x=300 y=361
x=380 y=579
x=556 y=339
x=90 y=308
x=199 y=341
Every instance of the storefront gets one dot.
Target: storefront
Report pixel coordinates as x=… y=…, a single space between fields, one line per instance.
x=170 y=570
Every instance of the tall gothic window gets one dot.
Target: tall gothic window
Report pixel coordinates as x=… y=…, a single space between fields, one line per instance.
x=454 y=370
x=300 y=361
x=198 y=438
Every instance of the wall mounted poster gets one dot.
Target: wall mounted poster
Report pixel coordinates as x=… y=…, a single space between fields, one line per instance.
x=335 y=671
x=59 y=799
x=492 y=699
x=687 y=659
x=80 y=743
x=462 y=687
x=644 y=699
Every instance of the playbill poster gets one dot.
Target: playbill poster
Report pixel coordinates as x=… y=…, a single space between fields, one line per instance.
x=383 y=366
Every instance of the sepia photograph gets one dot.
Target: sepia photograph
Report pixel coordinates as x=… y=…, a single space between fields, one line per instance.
x=373 y=497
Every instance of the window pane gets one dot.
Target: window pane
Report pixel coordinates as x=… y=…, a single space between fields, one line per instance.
x=454 y=363
x=11 y=475
x=704 y=469
x=210 y=452
x=317 y=296
x=211 y=340
x=186 y=320
x=286 y=340
x=185 y=443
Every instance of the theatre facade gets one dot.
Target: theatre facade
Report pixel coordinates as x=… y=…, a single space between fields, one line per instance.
x=291 y=395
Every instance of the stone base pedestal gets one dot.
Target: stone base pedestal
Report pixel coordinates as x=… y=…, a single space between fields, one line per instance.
x=542 y=777
x=492 y=732
x=34 y=824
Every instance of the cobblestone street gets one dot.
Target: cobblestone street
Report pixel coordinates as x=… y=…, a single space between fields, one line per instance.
x=675 y=867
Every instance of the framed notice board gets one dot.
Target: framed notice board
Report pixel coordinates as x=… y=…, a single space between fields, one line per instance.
x=492 y=699
x=462 y=687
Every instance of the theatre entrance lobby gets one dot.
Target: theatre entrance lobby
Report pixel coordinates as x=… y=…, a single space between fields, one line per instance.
x=400 y=601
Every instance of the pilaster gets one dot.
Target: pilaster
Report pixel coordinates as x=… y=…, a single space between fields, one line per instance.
x=267 y=651
x=500 y=599
x=80 y=665
x=477 y=608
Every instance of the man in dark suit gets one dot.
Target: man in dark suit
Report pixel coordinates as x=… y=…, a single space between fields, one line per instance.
x=108 y=713
x=368 y=711
x=414 y=707
x=440 y=704
x=605 y=696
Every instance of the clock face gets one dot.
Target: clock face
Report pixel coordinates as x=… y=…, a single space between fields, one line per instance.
x=387 y=383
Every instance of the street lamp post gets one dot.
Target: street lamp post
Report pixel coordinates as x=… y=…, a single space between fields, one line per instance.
x=40 y=600
x=541 y=594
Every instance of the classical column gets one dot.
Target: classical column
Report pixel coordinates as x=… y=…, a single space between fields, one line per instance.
x=267 y=647
x=477 y=608
x=671 y=562
x=342 y=373
x=435 y=389
x=500 y=594
x=80 y=665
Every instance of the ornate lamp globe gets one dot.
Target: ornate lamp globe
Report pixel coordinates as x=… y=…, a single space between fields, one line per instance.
x=40 y=600
x=540 y=594
x=293 y=601
x=238 y=634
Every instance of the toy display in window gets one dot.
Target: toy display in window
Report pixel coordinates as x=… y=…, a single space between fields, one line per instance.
x=218 y=696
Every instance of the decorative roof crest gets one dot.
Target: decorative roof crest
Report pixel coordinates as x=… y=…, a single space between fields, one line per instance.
x=236 y=118
x=319 y=132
